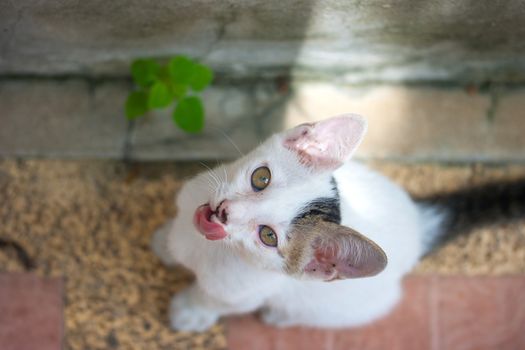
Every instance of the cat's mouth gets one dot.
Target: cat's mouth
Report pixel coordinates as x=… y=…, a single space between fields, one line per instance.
x=206 y=221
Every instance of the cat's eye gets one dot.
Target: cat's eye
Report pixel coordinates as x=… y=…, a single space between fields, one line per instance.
x=267 y=236
x=261 y=178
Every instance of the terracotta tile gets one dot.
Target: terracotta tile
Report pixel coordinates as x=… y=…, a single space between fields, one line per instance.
x=247 y=332
x=438 y=313
x=406 y=328
x=30 y=312
x=306 y=338
x=480 y=313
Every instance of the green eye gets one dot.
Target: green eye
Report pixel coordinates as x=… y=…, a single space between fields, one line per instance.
x=261 y=178
x=267 y=236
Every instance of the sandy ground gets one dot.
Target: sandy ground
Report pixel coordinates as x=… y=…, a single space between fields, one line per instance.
x=91 y=221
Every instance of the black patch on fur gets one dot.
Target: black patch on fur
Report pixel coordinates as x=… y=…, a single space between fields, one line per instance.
x=323 y=208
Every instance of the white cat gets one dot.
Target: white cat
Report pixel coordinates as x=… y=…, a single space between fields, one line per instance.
x=296 y=230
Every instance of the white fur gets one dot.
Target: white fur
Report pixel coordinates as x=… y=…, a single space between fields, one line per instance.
x=239 y=274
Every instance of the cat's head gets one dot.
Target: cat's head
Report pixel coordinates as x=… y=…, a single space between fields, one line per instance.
x=279 y=204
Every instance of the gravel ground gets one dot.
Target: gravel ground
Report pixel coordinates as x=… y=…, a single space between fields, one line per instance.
x=91 y=221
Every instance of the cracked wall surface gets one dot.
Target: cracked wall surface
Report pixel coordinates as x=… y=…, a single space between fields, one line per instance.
x=71 y=118
x=353 y=41
x=440 y=81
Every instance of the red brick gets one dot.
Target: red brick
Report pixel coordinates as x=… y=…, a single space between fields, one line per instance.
x=438 y=313
x=30 y=312
x=481 y=313
x=246 y=332
x=406 y=328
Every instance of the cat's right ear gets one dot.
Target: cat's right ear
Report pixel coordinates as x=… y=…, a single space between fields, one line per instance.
x=327 y=144
x=329 y=251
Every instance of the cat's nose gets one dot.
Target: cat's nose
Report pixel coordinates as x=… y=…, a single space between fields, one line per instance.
x=222 y=211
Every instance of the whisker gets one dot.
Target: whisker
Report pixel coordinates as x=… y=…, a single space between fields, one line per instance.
x=207 y=181
x=228 y=139
x=217 y=173
x=212 y=174
x=225 y=174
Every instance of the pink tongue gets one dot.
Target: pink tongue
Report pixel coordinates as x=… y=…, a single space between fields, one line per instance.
x=211 y=230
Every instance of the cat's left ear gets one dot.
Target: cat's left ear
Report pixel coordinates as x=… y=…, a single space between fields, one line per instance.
x=327 y=144
x=329 y=251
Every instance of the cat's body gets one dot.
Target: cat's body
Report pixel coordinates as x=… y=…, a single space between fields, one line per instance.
x=316 y=204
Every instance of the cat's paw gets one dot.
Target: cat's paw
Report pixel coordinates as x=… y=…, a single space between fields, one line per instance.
x=275 y=317
x=186 y=316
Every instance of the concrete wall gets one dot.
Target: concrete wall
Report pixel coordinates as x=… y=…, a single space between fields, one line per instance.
x=451 y=40
x=77 y=118
x=64 y=75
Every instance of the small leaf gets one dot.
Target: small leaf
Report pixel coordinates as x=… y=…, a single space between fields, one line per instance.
x=159 y=96
x=181 y=69
x=164 y=73
x=178 y=90
x=136 y=104
x=189 y=114
x=144 y=72
x=202 y=77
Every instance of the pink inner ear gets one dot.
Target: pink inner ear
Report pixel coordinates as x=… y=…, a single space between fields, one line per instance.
x=327 y=266
x=358 y=258
x=323 y=266
x=329 y=143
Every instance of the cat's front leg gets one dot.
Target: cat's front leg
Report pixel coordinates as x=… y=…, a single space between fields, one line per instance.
x=277 y=317
x=159 y=244
x=193 y=310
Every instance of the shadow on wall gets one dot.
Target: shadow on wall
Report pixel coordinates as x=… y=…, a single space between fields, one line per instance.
x=255 y=47
x=457 y=69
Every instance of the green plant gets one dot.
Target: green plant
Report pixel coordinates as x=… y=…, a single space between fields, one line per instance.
x=180 y=80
